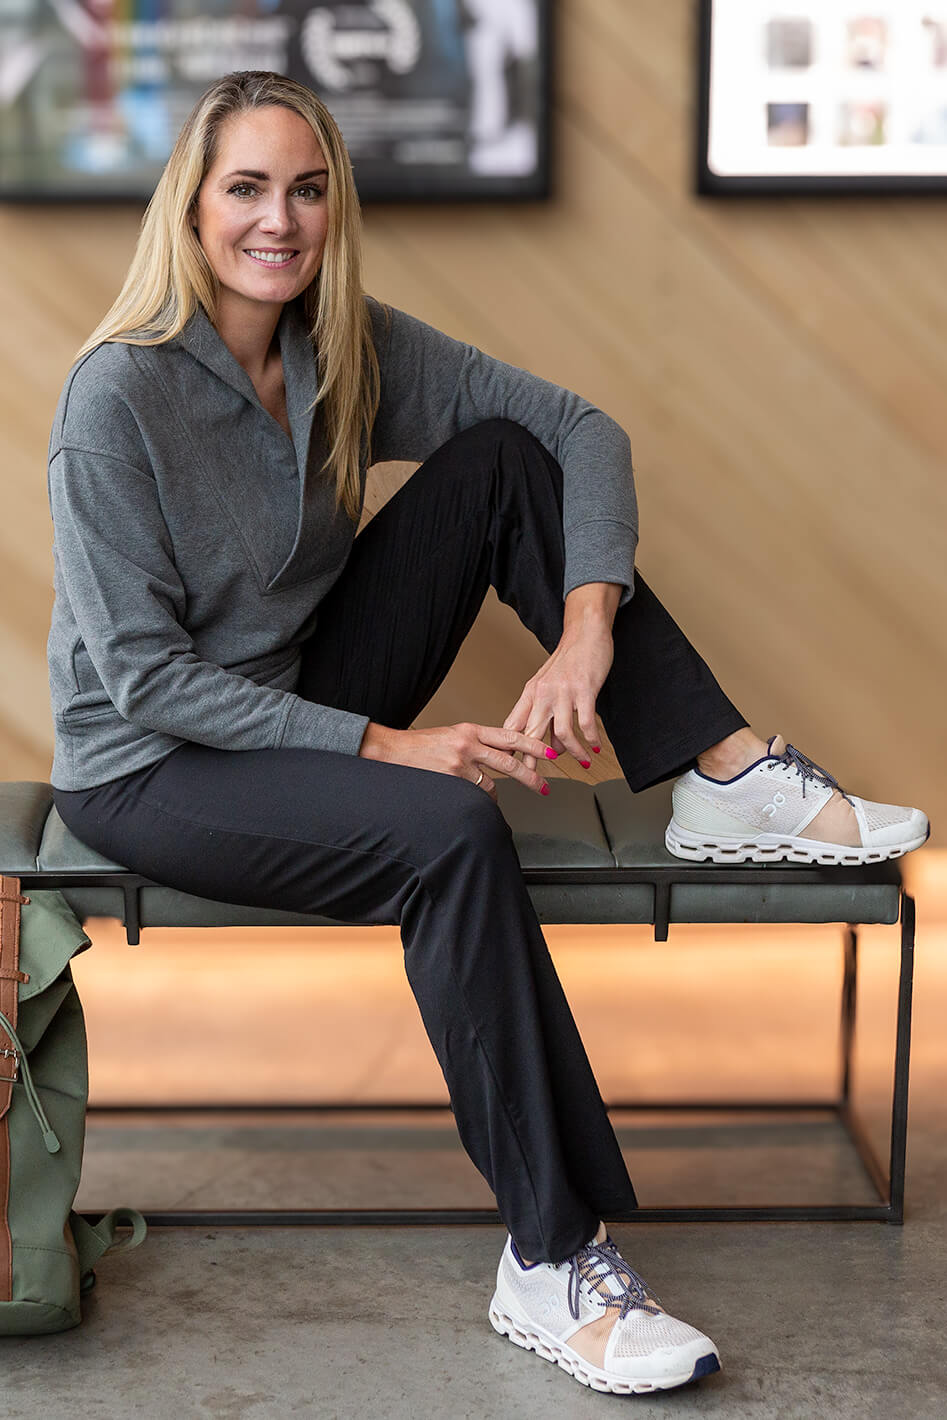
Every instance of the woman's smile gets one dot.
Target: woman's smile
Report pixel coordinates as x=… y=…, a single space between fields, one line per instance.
x=268 y=256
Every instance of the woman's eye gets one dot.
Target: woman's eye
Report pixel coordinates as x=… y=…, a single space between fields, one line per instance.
x=310 y=192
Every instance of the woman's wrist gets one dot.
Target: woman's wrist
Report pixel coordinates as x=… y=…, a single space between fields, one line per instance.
x=592 y=602
x=377 y=741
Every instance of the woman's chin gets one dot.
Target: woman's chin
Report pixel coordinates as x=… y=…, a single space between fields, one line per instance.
x=270 y=291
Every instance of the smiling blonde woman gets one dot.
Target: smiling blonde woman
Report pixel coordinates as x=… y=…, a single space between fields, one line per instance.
x=234 y=674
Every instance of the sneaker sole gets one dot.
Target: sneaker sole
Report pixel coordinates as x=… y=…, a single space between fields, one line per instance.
x=774 y=848
x=534 y=1338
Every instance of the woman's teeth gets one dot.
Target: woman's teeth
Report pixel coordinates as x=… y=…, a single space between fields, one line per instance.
x=273 y=258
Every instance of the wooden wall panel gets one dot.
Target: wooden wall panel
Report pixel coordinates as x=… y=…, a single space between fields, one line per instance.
x=777 y=364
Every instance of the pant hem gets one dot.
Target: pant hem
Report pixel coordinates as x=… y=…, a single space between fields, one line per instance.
x=562 y=1247
x=674 y=759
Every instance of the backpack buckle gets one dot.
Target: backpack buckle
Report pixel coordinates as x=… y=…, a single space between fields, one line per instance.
x=10 y=1079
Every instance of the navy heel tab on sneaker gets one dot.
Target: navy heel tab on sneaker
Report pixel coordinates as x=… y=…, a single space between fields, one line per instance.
x=526 y=1266
x=743 y=772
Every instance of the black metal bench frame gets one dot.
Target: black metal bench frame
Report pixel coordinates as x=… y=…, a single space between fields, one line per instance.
x=888 y=1182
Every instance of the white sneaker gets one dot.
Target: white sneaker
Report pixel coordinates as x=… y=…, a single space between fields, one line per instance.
x=767 y=812
x=541 y=1306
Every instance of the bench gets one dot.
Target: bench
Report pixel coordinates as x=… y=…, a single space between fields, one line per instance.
x=590 y=854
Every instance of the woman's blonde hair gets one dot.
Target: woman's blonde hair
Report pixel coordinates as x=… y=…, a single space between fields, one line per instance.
x=169 y=273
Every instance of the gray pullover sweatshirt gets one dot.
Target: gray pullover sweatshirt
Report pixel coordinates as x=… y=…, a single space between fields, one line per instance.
x=194 y=540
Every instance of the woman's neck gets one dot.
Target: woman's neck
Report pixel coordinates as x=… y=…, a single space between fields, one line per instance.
x=248 y=328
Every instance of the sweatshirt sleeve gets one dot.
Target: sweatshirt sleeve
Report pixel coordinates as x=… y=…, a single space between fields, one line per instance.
x=433 y=387
x=117 y=566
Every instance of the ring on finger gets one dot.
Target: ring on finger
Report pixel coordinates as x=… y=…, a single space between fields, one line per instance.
x=479 y=781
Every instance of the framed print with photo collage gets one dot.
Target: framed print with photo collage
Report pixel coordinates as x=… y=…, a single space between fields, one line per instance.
x=826 y=96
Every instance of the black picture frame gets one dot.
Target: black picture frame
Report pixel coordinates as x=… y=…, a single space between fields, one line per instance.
x=712 y=183
x=400 y=184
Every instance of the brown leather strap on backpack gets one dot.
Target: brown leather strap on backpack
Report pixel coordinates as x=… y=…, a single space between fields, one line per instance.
x=10 y=977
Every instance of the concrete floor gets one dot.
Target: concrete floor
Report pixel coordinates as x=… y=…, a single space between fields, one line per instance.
x=812 y=1319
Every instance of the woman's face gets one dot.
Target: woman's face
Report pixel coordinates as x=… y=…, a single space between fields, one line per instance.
x=261 y=213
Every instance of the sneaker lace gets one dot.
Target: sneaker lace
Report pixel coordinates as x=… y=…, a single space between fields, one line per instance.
x=808 y=769
x=593 y=1264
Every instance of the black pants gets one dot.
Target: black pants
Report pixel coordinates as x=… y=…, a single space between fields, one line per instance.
x=358 y=839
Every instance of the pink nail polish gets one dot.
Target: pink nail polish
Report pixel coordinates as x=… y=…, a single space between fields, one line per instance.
x=586 y=763
x=544 y=789
x=551 y=753
x=596 y=749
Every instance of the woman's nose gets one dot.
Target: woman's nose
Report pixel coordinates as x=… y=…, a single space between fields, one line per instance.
x=278 y=216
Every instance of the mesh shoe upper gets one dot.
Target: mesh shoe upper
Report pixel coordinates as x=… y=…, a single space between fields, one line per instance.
x=640 y=1334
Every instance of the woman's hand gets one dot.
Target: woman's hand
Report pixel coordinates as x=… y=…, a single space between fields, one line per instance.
x=462 y=750
x=567 y=685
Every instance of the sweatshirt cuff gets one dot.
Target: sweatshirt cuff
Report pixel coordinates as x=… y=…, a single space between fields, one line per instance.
x=601 y=551
x=312 y=726
x=623 y=574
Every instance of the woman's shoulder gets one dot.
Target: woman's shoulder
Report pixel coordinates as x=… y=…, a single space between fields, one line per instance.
x=402 y=337
x=114 y=364
x=102 y=398
x=381 y=315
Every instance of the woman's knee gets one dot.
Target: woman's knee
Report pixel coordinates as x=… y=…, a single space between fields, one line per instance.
x=487 y=434
x=465 y=814
x=506 y=431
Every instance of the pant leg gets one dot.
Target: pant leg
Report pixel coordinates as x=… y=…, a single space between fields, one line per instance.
x=486 y=508
x=358 y=840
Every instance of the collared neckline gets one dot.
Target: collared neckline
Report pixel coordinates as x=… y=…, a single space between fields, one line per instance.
x=322 y=532
x=201 y=339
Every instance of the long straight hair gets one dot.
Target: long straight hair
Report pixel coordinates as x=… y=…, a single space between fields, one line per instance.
x=170 y=275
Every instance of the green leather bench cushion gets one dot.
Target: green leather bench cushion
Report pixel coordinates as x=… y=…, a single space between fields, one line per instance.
x=24 y=808
x=577 y=827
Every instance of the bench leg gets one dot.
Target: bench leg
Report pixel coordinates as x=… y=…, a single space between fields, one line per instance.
x=849 y=1007
x=899 y=1104
x=890 y=1186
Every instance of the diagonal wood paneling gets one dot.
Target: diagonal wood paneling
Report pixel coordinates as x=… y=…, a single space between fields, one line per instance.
x=778 y=366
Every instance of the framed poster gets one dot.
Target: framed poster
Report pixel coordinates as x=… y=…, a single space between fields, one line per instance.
x=825 y=96
x=436 y=99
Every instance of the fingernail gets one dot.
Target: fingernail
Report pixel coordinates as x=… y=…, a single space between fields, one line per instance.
x=551 y=753
x=586 y=763
x=544 y=789
x=596 y=749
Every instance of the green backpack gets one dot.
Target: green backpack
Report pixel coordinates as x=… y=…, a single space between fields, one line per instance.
x=46 y=1249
